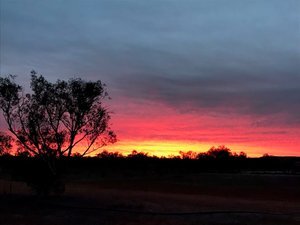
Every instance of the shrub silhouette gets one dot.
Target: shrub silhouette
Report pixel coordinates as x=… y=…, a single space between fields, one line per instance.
x=138 y=155
x=220 y=152
x=109 y=155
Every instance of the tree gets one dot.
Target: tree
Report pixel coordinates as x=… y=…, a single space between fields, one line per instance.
x=55 y=118
x=220 y=152
x=5 y=143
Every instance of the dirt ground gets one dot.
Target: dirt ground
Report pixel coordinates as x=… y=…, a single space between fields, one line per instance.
x=168 y=201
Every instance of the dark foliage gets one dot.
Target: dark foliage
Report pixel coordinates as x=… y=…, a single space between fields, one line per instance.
x=5 y=143
x=219 y=153
x=51 y=121
x=114 y=164
x=24 y=169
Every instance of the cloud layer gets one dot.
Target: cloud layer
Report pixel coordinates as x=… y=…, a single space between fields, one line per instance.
x=233 y=58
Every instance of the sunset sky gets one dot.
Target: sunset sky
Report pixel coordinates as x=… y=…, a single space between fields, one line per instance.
x=182 y=75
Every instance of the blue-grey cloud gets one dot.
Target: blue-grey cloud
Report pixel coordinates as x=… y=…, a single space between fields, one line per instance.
x=243 y=55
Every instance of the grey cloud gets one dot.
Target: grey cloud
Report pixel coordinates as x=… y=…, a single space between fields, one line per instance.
x=211 y=54
x=248 y=95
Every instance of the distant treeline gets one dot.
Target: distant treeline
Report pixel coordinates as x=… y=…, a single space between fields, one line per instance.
x=218 y=159
x=220 y=152
x=107 y=165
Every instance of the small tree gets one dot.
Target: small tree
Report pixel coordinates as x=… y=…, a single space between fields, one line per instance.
x=220 y=152
x=52 y=120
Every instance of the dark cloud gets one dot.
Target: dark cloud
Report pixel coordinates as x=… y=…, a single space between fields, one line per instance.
x=216 y=55
x=268 y=95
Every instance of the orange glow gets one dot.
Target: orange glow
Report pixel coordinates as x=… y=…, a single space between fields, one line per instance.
x=172 y=148
x=158 y=148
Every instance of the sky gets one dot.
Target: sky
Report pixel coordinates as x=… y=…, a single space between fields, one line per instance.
x=182 y=75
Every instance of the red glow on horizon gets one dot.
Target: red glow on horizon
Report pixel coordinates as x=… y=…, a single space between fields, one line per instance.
x=155 y=128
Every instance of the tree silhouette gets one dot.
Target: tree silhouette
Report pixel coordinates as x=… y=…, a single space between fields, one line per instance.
x=220 y=152
x=109 y=155
x=55 y=118
x=5 y=143
x=137 y=155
